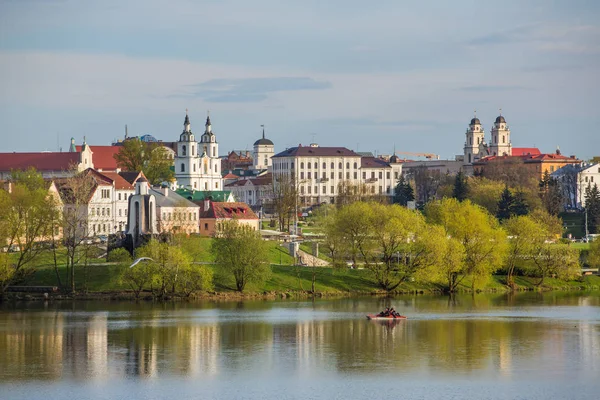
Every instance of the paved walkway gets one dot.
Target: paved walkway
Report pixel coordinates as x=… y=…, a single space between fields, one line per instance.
x=310 y=260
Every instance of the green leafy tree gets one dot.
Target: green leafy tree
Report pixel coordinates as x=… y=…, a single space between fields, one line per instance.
x=240 y=252
x=505 y=205
x=559 y=260
x=167 y=261
x=551 y=194
x=151 y=158
x=483 y=240
x=592 y=208
x=486 y=193
x=461 y=187
x=593 y=258
x=139 y=276
x=27 y=213
x=525 y=238
x=353 y=224
x=194 y=278
x=403 y=192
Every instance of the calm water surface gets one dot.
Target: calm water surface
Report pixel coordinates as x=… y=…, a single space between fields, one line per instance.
x=526 y=346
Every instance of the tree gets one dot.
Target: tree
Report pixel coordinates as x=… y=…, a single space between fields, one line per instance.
x=240 y=251
x=558 y=260
x=461 y=187
x=76 y=192
x=167 y=262
x=139 y=276
x=520 y=205
x=526 y=237
x=551 y=194
x=594 y=254
x=353 y=225
x=592 y=208
x=485 y=193
x=427 y=183
x=27 y=212
x=194 y=278
x=505 y=205
x=285 y=200
x=350 y=192
x=483 y=240
x=150 y=157
x=403 y=192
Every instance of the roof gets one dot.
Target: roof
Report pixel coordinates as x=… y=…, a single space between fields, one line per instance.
x=475 y=121
x=198 y=196
x=230 y=176
x=172 y=199
x=120 y=182
x=51 y=161
x=500 y=119
x=131 y=176
x=523 y=151
x=530 y=158
x=103 y=156
x=263 y=141
x=262 y=181
x=372 y=162
x=235 y=210
x=304 y=151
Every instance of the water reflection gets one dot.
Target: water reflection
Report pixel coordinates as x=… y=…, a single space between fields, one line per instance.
x=469 y=336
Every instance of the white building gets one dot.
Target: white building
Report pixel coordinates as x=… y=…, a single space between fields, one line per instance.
x=255 y=192
x=264 y=150
x=501 y=144
x=197 y=165
x=574 y=181
x=319 y=172
x=475 y=138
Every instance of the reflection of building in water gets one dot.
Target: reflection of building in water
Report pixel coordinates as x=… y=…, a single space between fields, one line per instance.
x=202 y=355
x=589 y=345
x=21 y=343
x=505 y=355
x=310 y=338
x=97 y=346
x=141 y=358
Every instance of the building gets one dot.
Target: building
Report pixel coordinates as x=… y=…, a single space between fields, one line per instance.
x=264 y=150
x=537 y=164
x=320 y=172
x=213 y=213
x=199 y=196
x=49 y=164
x=197 y=164
x=256 y=192
x=574 y=179
x=236 y=159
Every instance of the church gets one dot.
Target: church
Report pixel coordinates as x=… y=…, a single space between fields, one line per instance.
x=197 y=164
x=477 y=148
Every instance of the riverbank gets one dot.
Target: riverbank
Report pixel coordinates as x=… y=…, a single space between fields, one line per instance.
x=103 y=281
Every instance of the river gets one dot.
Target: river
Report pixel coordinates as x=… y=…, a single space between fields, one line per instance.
x=522 y=346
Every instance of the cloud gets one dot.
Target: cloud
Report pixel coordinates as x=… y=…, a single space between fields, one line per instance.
x=251 y=89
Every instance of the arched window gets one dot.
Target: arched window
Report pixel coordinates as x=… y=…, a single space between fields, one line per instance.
x=324 y=165
x=503 y=139
x=192 y=150
x=183 y=150
x=348 y=165
x=340 y=165
x=355 y=165
x=309 y=165
x=301 y=165
x=332 y=165
x=182 y=168
x=316 y=165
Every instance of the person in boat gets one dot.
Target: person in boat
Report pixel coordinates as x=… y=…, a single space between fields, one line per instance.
x=385 y=313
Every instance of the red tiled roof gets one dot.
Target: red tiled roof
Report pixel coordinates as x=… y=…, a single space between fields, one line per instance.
x=103 y=157
x=40 y=161
x=307 y=151
x=234 y=210
x=230 y=176
x=120 y=182
x=523 y=151
x=529 y=158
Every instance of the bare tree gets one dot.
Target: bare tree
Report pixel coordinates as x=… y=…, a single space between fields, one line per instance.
x=285 y=199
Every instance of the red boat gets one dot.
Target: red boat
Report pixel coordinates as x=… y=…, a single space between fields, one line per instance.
x=382 y=318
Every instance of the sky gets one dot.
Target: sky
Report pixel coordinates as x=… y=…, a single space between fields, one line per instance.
x=367 y=75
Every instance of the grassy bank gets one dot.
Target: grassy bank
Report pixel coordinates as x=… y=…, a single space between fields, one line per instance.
x=286 y=278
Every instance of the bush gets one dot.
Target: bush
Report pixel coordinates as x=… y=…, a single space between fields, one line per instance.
x=119 y=255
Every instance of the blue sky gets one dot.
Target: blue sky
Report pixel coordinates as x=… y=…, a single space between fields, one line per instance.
x=365 y=75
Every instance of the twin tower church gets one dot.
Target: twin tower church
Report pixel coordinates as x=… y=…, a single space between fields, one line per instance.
x=197 y=164
x=476 y=146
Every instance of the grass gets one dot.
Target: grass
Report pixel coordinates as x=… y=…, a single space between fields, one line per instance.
x=307 y=247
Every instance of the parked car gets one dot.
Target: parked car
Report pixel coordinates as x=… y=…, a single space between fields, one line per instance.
x=103 y=238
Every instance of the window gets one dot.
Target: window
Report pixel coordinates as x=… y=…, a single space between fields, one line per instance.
x=301 y=175
x=364 y=175
x=93 y=213
x=324 y=166
x=309 y=189
x=340 y=166
x=309 y=165
x=324 y=189
x=332 y=188
x=309 y=175
x=347 y=175
x=355 y=165
x=316 y=189
x=324 y=175
x=119 y=196
x=182 y=168
x=332 y=175
x=94 y=228
x=192 y=150
x=355 y=175
x=339 y=175
x=373 y=174
x=98 y=211
x=380 y=174
x=503 y=137
x=301 y=189
x=205 y=226
x=348 y=165
x=216 y=185
x=120 y=211
x=332 y=165
x=396 y=175
x=105 y=193
x=301 y=165
x=316 y=165
x=103 y=212
x=108 y=212
x=194 y=165
x=184 y=150
x=387 y=175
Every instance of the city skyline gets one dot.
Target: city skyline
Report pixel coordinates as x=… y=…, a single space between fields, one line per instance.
x=367 y=77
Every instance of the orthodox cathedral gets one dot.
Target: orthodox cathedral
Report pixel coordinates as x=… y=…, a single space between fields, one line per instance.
x=197 y=164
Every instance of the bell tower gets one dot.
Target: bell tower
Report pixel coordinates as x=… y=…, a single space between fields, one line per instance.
x=474 y=138
x=501 y=144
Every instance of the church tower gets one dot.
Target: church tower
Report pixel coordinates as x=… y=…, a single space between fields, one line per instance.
x=186 y=162
x=263 y=151
x=210 y=163
x=501 y=145
x=475 y=138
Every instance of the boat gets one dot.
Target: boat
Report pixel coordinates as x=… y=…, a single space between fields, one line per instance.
x=377 y=317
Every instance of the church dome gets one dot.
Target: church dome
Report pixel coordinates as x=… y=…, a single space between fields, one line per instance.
x=263 y=141
x=475 y=121
x=500 y=119
x=394 y=159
